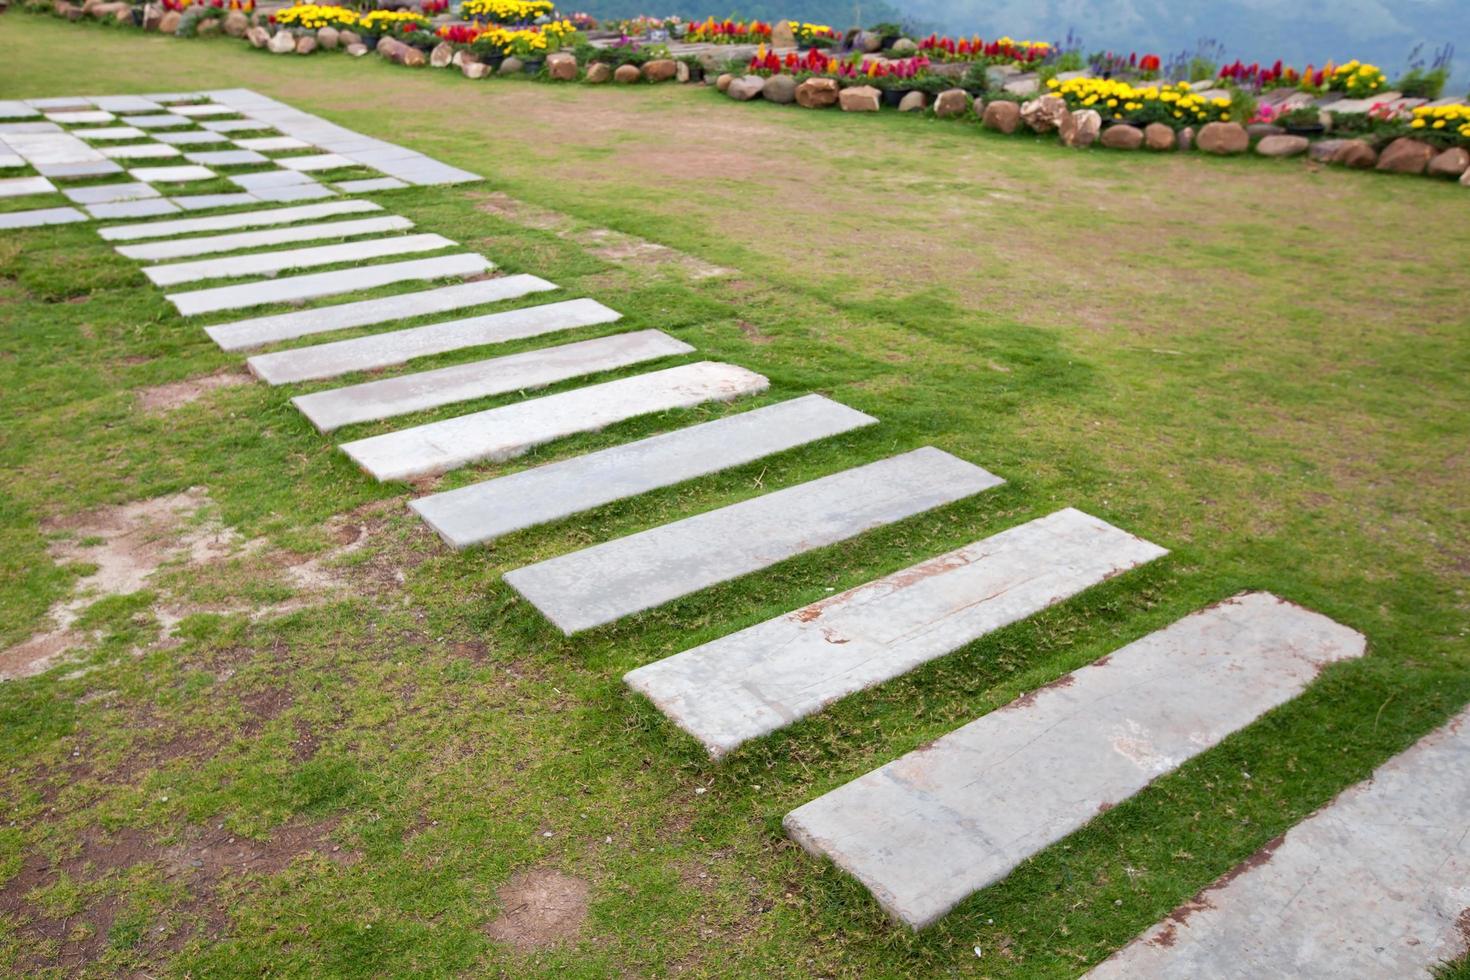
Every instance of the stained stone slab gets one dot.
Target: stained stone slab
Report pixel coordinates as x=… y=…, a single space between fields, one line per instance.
x=233 y=125
x=60 y=103
x=133 y=209
x=91 y=168
x=9 y=161
x=204 y=109
x=80 y=117
x=125 y=103
x=271 y=144
x=110 y=133
x=320 y=161
x=173 y=175
x=110 y=193
x=270 y=178
x=931 y=828
x=25 y=186
x=164 y=121
x=28 y=128
x=369 y=185
x=51 y=148
x=484 y=511
x=226 y=158
x=761 y=679
x=17 y=110
x=508 y=431
x=187 y=247
x=606 y=582
x=1374 y=886
x=45 y=216
x=269 y=263
x=327 y=283
x=139 y=151
x=190 y=137
x=400 y=346
x=259 y=331
x=294 y=192
x=228 y=222
x=206 y=202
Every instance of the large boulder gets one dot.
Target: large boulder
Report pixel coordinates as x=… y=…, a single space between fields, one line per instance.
x=329 y=38
x=169 y=22
x=722 y=84
x=1002 y=116
x=1185 y=139
x=152 y=15
x=745 y=88
x=951 y=103
x=208 y=27
x=258 y=37
x=1405 y=156
x=282 y=42
x=236 y=23
x=442 y=55
x=780 y=89
x=782 y=36
x=1044 y=115
x=346 y=37
x=1081 y=128
x=124 y=15
x=1159 y=138
x=561 y=66
x=627 y=74
x=913 y=102
x=1283 y=146
x=869 y=42
x=599 y=73
x=660 y=70
x=1451 y=163
x=859 y=98
x=1355 y=154
x=1122 y=137
x=512 y=66
x=1323 y=151
x=817 y=93
x=357 y=49
x=474 y=69
x=1223 y=138
x=306 y=44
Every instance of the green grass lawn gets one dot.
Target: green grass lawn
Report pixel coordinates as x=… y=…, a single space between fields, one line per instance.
x=1258 y=364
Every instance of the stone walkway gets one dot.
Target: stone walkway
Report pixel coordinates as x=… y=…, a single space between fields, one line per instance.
x=923 y=832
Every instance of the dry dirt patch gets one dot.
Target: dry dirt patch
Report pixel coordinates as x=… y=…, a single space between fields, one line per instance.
x=540 y=909
x=166 y=397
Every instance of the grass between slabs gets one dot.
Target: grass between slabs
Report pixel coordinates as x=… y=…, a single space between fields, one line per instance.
x=1260 y=367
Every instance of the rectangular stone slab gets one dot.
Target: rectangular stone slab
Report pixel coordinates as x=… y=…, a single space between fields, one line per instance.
x=163 y=121
x=374 y=400
x=259 y=331
x=180 y=248
x=125 y=103
x=225 y=158
x=295 y=192
x=761 y=679
x=1374 y=886
x=139 y=151
x=44 y=216
x=133 y=209
x=268 y=263
x=508 y=431
x=110 y=133
x=318 y=161
x=110 y=193
x=25 y=186
x=205 y=109
x=400 y=346
x=262 y=179
x=206 y=202
x=484 y=511
x=267 y=144
x=80 y=117
x=931 y=828
x=319 y=284
x=173 y=175
x=190 y=137
x=101 y=167
x=606 y=582
x=370 y=184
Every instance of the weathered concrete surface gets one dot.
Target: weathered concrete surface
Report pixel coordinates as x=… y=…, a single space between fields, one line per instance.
x=110 y=193
x=390 y=397
x=173 y=175
x=484 y=511
x=327 y=283
x=180 y=248
x=133 y=209
x=929 y=829
x=766 y=677
x=1374 y=886
x=43 y=216
x=25 y=186
x=259 y=331
x=139 y=151
x=229 y=222
x=272 y=143
x=316 y=161
x=268 y=263
x=508 y=431
x=401 y=346
x=606 y=582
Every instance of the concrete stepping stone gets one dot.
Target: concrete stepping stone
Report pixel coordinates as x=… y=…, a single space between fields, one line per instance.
x=125 y=104
x=110 y=193
x=44 y=216
x=28 y=129
x=91 y=168
x=270 y=178
x=133 y=209
x=485 y=511
x=931 y=828
x=511 y=430
x=320 y=161
x=204 y=109
x=228 y=222
x=186 y=247
x=294 y=192
x=25 y=186
x=80 y=117
x=10 y=160
x=17 y=110
x=139 y=151
x=226 y=158
x=190 y=137
x=400 y=346
x=259 y=331
x=110 y=133
x=320 y=284
x=51 y=148
x=205 y=202
x=270 y=144
x=1373 y=886
x=606 y=582
x=233 y=125
x=370 y=185
x=374 y=400
x=761 y=679
x=269 y=263
x=162 y=121
x=60 y=103
x=173 y=175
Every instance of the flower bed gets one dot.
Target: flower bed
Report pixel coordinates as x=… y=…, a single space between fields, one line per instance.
x=1175 y=105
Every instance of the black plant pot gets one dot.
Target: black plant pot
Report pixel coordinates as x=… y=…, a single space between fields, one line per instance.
x=532 y=66
x=892 y=97
x=493 y=61
x=696 y=73
x=888 y=41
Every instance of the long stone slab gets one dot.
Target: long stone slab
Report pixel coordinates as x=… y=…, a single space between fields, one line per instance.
x=327 y=283
x=269 y=263
x=400 y=346
x=606 y=582
x=43 y=216
x=211 y=244
x=25 y=186
x=259 y=331
x=374 y=400
x=761 y=679
x=230 y=222
x=485 y=511
x=931 y=828
x=505 y=432
x=1374 y=886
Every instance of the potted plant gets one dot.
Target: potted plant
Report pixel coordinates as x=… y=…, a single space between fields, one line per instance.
x=1302 y=121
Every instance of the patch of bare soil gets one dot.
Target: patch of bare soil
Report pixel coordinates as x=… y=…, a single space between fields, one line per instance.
x=166 y=397
x=540 y=909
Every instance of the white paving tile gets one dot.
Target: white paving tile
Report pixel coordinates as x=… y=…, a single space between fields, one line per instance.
x=321 y=161
x=484 y=511
x=327 y=283
x=27 y=128
x=45 y=216
x=258 y=263
x=929 y=829
x=606 y=582
x=203 y=109
x=17 y=110
x=225 y=158
x=294 y=192
x=269 y=144
x=1374 y=886
x=80 y=117
x=25 y=186
x=125 y=103
x=270 y=178
x=9 y=161
x=259 y=331
x=180 y=248
x=109 y=193
x=42 y=149
x=64 y=102
x=133 y=209
x=390 y=397
x=139 y=151
x=190 y=137
x=761 y=679
x=228 y=222
x=173 y=175
x=508 y=431
x=232 y=125
x=370 y=185
x=110 y=133
x=163 y=121
x=206 y=202
x=89 y=168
